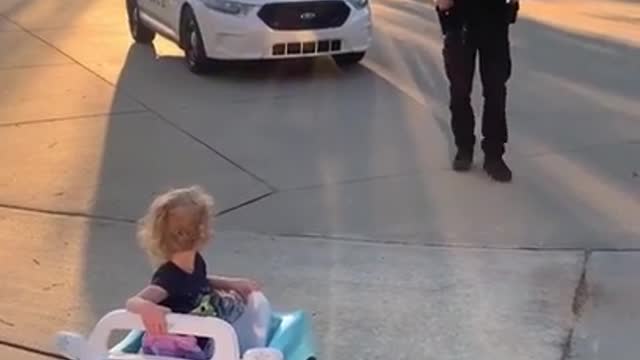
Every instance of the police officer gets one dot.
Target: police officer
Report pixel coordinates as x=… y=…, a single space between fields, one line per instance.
x=478 y=29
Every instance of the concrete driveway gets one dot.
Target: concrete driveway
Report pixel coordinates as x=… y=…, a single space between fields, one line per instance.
x=334 y=187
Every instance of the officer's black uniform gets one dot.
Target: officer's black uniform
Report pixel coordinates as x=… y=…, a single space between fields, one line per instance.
x=478 y=29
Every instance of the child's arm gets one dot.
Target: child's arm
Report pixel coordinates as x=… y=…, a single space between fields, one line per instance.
x=244 y=287
x=145 y=304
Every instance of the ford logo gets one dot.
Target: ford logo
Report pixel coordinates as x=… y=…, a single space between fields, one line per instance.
x=307 y=16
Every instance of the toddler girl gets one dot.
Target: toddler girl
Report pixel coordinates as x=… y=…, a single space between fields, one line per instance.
x=174 y=231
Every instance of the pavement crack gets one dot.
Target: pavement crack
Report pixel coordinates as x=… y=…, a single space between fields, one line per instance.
x=410 y=241
x=30 y=349
x=358 y=180
x=580 y=298
x=246 y=203
x=581 y=295
x=74 y=117
x=74 y=214
x=115 y=219
x=52 y=286
x=7 y=323
x=207 y=146
x=35 y=66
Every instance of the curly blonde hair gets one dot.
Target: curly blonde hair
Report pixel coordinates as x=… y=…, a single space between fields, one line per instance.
x=178 y=220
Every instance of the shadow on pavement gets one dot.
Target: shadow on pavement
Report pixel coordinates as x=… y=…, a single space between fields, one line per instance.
x=271 y=110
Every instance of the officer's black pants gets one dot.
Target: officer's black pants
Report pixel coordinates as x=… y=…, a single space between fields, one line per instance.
x=490 y=44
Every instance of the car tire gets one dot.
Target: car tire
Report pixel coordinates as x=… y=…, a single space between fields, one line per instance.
x=140 y=32
x=193 y=45
x=348 y=59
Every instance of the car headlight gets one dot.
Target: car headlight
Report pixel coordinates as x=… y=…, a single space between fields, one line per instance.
x=229 y=7
x=358 y=4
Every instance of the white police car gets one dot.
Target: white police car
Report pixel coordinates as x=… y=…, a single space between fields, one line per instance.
x=255 y=29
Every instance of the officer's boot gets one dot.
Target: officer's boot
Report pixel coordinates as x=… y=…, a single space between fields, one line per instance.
x=463 y=160
x=497 y=169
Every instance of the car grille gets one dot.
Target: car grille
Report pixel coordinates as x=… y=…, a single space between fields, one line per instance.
x=310 y=47
x=305 y=15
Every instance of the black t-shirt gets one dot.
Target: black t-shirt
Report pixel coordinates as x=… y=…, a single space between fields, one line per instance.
x=187 y=293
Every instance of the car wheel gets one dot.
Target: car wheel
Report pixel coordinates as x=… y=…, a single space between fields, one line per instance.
x=348 y=59
x=140 y=32
x=192 y=43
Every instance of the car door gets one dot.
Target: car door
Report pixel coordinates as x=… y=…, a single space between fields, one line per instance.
x=156 y=9
x=171 y=11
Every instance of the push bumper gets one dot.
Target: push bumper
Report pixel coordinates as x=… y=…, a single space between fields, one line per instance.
x=229 y=37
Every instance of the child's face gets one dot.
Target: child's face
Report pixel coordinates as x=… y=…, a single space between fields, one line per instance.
x=187 y=225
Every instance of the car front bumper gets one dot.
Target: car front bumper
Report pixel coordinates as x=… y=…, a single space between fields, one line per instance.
x=228 y=37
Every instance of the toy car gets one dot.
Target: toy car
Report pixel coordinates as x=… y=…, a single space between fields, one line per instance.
x=255 y=29
x=290 y=338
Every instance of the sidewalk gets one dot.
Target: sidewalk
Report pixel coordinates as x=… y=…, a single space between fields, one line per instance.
x=369 y=301
x=609 y=324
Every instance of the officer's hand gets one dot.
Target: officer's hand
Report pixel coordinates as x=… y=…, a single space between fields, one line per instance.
x=444 y=4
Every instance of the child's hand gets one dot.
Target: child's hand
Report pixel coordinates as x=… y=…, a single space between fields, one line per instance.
x=444 y=4
x=154 y=318
x=244 y=287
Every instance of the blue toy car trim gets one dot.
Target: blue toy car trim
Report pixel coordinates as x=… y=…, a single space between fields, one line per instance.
x=290 y=333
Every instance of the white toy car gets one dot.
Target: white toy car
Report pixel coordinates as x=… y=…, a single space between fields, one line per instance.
x=290 y=338
x=255 y=29
x=76 y=347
